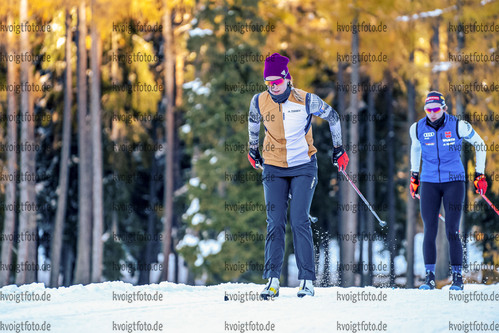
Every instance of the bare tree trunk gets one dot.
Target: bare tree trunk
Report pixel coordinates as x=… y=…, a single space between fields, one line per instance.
x=68 y=259
x=371 y=159
x=460 y=112
x=350 y=225
x=82 y=273
x=177 y=171
x=391 y=182
x=175 y=278
x=27 y=217
x=114 y=133
x=95 y=110
x=63 y=173
x=169 y=126
x=342 y=182
x=411 y=203
x=361 y=230
x=10 y=193
x=148 y=255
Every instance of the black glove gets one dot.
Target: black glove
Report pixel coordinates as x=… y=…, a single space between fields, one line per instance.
x=254 y=158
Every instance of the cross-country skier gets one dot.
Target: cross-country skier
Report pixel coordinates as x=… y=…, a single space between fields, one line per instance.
x=289 y=167
x=437 y=140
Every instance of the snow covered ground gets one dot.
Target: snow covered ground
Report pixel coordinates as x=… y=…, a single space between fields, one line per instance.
x=119 y=307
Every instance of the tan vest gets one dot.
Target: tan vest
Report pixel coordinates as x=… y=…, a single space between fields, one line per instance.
x=286 y=144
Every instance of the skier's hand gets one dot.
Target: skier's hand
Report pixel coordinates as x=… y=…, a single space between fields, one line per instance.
x=414 y=184
x=340 y=158
x=254 y=158
x=480 y=183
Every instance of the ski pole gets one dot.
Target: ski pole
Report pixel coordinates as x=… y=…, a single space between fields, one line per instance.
x=439 y=215
x=312 y=219
x=490 y=204
x=381 y=223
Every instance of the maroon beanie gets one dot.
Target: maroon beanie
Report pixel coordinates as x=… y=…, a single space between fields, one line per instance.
x=276 y=65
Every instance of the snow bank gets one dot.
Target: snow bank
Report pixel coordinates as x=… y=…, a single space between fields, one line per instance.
x=117 y=306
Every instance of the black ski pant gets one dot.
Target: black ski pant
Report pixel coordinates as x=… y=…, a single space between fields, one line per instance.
x=432 y=195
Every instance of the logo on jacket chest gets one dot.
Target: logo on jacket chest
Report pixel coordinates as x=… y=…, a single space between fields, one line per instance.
x=428 y=135
x=448 y=139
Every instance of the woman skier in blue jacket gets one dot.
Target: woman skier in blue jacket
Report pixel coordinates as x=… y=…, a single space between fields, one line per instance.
x=437 y=141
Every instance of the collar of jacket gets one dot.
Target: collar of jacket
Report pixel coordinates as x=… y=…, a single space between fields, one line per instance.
x=282 y=97
x=437 y=123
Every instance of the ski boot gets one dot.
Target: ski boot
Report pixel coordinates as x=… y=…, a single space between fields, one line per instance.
x=306 y=288
x=429 y=283
x=457 y=281
x=271 y=289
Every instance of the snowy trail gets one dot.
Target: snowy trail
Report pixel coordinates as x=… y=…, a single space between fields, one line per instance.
x=184 y=308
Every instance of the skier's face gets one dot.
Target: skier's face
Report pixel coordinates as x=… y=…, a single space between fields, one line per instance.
x=434 y=113
x=277 y=85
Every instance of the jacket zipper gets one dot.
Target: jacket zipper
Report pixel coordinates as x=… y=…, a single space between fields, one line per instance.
x=438 y=156
x=280 y=110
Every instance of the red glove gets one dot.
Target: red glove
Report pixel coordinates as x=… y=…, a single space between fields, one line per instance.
x=414 y=184
x=254 y=158
x=340 y=158
x=480 y=183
